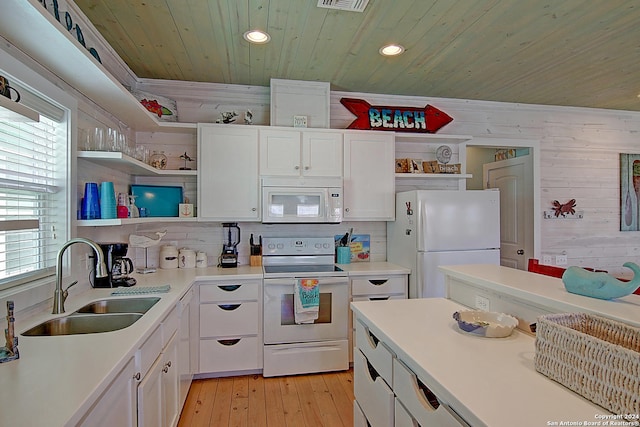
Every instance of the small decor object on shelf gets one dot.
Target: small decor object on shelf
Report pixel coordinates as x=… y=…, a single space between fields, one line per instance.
x=248 y=117
x=227 y=117
x=163 y=107
x=5 y=89
x=597 y=284
x=396 y=119
x=443 y=154
x=186 y=159
x=158 y=160
x=299 y=121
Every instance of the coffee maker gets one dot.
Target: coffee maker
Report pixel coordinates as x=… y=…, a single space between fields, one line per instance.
x=231 y=233
x=118 y=266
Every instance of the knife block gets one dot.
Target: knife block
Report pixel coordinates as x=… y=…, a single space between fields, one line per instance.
x=255 y=260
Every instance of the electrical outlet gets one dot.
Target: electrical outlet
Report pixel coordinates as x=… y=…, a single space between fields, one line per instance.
x=482 y=303
x=546 y=259
x=561 y=260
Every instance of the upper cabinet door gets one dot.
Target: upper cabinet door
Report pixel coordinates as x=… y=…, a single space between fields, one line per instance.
x=321 y=153
x=297 y=153
x=280 y=153
x=228 y=185
x=369 y=176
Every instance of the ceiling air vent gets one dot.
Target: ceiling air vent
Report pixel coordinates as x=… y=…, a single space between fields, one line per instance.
x=351 y=5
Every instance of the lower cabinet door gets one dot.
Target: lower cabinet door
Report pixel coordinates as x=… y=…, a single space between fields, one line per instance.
x=117 y=405
x=375 y=397
x=150 y=410
x=359 y=420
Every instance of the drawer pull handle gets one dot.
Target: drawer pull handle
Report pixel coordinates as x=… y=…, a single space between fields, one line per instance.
x=229 y=288
x=382 y=298
x=378 y=282
x=229 y=342
x=372 y=371
x=229 y=307
x=374 y=340
x=431 y=398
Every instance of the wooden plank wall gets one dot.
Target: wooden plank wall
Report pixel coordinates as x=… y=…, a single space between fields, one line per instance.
x=579 y=159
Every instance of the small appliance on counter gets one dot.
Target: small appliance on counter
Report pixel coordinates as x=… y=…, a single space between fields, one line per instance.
x=229 y=255
x=118 y=265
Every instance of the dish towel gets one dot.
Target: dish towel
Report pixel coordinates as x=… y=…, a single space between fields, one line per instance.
x=306 y=300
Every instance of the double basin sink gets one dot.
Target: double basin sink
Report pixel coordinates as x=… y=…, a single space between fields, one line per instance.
x=103 y=315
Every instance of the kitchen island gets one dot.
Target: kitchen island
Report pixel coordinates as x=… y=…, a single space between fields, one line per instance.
x=481 y=381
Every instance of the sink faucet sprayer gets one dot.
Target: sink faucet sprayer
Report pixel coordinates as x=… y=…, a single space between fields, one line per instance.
x=60 y=295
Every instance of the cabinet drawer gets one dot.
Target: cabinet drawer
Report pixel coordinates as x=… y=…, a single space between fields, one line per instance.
x=379 y=285
x=380 y=297
x=169 y=326
x=378 y=354
x=373 y=394
x=242 y=290
x=420 y=402
x=230 y=354
x=359 y=420
x=228 y=319
x=149 y=351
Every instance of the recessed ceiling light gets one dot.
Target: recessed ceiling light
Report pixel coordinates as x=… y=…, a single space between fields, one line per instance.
x=391 y=50
x=256 y=36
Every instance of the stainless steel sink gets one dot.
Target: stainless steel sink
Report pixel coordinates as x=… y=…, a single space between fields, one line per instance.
x=84 y=324
x=124 y=305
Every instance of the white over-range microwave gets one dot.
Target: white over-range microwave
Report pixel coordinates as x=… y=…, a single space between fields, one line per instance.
x=301 y=200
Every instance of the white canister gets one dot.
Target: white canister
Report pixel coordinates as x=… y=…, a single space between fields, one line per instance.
x=168 y=257
x=201 y=259
x=187 y=258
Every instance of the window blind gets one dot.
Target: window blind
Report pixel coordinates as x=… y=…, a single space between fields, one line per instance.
x=32 y=197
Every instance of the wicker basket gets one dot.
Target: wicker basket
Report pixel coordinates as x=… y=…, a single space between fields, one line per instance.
x=597 y=358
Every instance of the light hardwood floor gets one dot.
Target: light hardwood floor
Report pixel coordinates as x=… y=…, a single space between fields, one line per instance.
x=314 y=400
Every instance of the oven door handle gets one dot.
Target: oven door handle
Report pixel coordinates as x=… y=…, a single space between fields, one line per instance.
x=323 y=281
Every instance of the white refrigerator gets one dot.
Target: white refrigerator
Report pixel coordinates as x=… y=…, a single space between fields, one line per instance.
x=443 y=227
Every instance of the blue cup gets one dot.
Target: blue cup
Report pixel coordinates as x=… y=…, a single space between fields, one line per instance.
x=91 y=203
x=343 y=255
x=107 y=201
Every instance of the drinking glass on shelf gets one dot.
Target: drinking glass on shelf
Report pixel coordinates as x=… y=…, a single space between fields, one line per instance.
x=122 y=143
x=98 y=139
x=112 y=140
x=84 y=140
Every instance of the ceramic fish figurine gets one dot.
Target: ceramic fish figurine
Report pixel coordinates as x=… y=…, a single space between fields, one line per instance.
x=598 y=284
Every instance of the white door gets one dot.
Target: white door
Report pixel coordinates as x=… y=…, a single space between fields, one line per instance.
x=430 y=281
x=514 y=178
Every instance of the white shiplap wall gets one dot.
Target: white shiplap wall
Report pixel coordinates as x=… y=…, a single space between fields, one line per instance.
x=579 y=151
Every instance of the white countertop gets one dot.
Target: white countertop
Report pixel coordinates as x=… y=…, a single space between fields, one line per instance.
x=488 y=381
x=56 y=379
x=545 y=291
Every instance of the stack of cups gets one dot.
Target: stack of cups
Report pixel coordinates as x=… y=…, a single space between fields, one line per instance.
x=107 y=201
x=90 y=208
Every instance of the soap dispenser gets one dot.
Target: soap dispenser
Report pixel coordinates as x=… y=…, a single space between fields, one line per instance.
x=134 y=212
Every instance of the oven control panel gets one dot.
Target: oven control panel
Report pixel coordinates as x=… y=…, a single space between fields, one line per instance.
x=298 y=246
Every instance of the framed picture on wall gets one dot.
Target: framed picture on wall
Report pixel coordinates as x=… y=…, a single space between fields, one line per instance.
x=629 y=192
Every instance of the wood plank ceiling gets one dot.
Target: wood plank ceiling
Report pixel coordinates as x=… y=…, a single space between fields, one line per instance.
x=570 y=52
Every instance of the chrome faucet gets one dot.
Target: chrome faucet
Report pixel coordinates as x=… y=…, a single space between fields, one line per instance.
x=60 y=295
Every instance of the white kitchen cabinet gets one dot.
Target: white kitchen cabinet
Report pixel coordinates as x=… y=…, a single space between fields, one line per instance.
x=230 y=326
x=117 y=406
x=187 y=344
x=296 y=153
x=424 y=147
x=369 y=176
x=228 y=185
x=158 y=390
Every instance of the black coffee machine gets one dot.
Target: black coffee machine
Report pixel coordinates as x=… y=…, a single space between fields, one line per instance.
x=118 y=265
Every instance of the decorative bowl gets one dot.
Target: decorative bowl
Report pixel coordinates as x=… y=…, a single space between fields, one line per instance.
x=487 y=324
